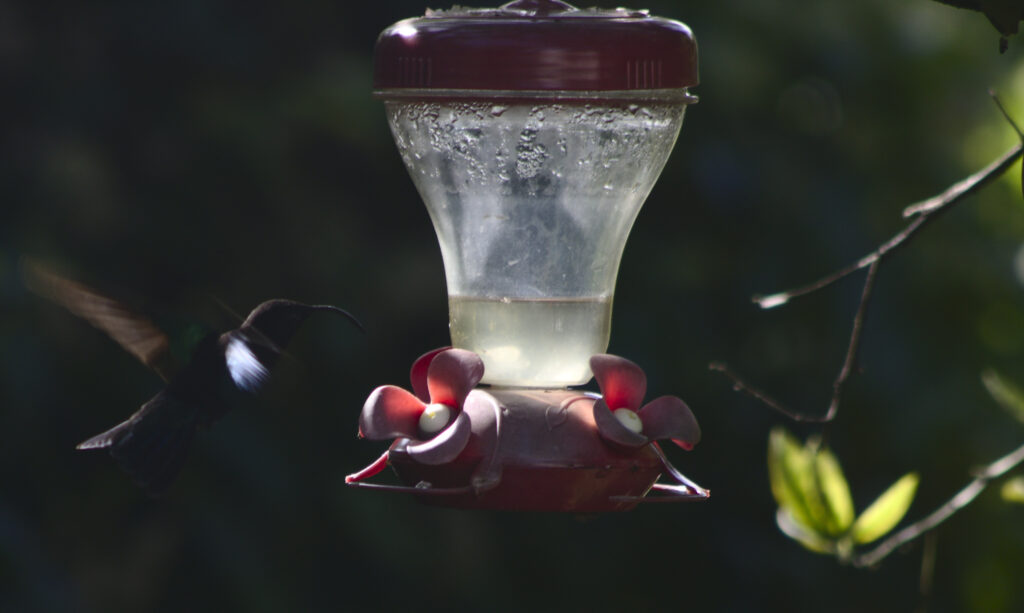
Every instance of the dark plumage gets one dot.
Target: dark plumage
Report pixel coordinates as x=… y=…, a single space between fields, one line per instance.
x=223 y=370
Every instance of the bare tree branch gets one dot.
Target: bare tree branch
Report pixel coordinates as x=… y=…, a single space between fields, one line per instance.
x=966 y=187
x=845 y=372
x=924 y=211
x=853 y=349
x=739 y=385
x=921 y=213
x=926 y=579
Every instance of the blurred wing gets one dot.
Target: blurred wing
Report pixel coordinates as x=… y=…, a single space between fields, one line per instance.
x=152 y=445
x=135 y=333
x=106 y=439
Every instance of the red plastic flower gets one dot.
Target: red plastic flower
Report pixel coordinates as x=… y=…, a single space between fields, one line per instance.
x=432 y=417
x=620 y=418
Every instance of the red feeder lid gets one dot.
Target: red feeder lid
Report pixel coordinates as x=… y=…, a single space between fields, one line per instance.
x=538 y=46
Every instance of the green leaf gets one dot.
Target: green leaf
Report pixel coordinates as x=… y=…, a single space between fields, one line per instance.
x=1013 y=490
x=780 y=445
x=799 y=533
x=834 y=491
x=1004 y=392
x=792 y=478
x=886 y=511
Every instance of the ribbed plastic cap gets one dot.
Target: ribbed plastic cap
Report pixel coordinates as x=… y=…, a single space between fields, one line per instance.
x=535 y=45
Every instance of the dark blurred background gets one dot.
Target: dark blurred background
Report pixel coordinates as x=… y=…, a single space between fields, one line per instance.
x=177 y=154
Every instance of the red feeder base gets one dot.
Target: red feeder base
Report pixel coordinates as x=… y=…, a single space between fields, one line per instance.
x=539 y=451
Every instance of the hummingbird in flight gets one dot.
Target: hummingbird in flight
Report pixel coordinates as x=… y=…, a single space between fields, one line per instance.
x=224 y=370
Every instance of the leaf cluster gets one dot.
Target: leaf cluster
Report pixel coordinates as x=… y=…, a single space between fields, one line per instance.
x=815 y=505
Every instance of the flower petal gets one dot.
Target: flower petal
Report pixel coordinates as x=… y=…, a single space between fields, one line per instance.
x=452 y=374
x=669 y=417
x=611 y=429
x=390 y=412
x=375 y=467
x=418 y=373
x=484 y=413
x=446 y=446
x=623 y=384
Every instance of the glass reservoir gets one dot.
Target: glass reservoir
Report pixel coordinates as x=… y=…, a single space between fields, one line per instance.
x=532 y=204
x=533 y=163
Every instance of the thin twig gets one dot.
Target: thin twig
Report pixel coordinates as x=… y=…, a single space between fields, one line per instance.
x=927 y=578
x=848 y=369
x=966 y=187
x=1012 y=123
x=960 y=500
x=925 y=212
x=1006 y=116
x=739 y=385
x=922 y=212
x=850 y=363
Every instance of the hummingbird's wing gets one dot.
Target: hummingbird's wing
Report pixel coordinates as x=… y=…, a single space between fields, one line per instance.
x=133 y=332
x=152 y=445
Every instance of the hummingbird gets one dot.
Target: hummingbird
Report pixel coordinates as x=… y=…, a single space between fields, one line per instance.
x=224 y=370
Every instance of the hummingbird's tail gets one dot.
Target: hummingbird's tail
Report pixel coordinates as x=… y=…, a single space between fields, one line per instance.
x=151 y=450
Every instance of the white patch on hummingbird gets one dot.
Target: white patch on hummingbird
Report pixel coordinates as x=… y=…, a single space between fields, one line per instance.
x=245 y=369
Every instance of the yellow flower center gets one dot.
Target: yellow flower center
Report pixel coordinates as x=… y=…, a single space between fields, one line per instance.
x=434 y=418
x=629 y=419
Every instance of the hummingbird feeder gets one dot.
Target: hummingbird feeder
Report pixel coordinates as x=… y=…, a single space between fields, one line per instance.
x=534 y=133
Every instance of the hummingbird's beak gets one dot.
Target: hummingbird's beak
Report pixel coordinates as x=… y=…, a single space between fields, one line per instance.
x=350 y=316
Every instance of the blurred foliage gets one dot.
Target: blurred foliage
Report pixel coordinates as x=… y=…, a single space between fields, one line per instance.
x=183 y=154
x=815 y=506
x=1007 y=394
x=1013 y=490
